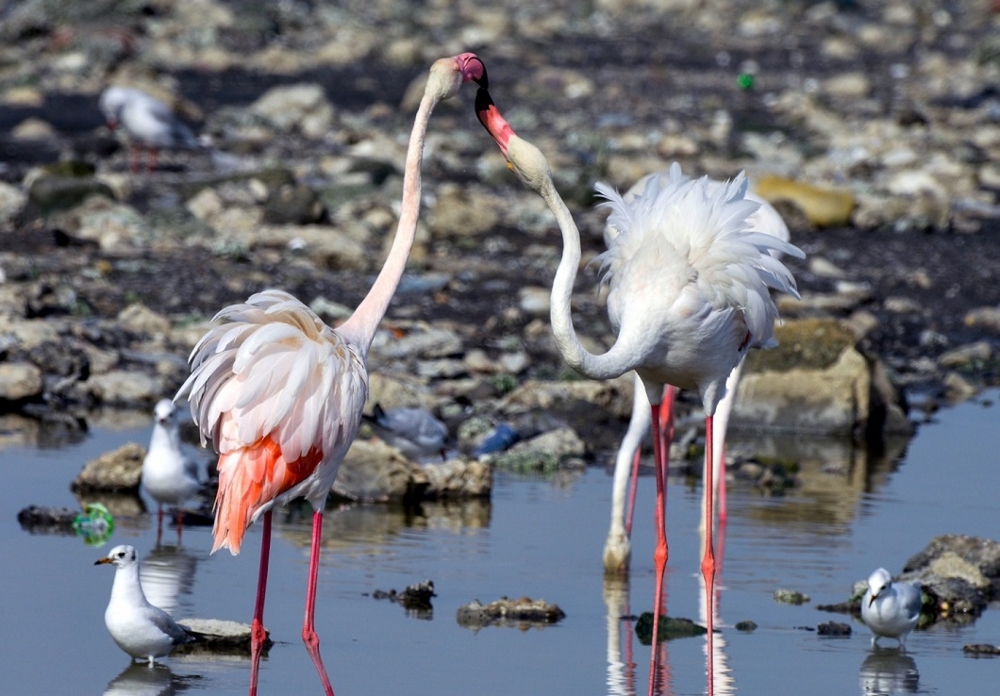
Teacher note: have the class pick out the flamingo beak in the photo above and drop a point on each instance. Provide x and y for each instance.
(473, 69)
(492, 121)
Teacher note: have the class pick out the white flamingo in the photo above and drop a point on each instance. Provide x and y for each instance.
(689, 296)
(280, 394)
(617, 548)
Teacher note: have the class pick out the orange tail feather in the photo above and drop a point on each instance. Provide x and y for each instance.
(250, 478)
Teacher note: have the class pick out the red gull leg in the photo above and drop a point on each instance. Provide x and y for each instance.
(151, 160)
(257, 633)
(309, 636)
(708, 560)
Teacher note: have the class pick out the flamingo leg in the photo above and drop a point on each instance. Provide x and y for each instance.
(257, 633)
(309, 636)
(708, 560)
(632, 485)
(661, 553)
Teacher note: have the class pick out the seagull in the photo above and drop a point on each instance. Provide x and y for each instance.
(890, 609)
(167, 473)
(413, 431)
(137, 627)
(147, 122)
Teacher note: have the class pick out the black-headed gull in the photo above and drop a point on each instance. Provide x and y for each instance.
(147, 122)
(890, 609)
(413, 431)
(167, 473)
(143, 631)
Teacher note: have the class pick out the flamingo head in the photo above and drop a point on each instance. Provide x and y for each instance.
(449, 74)
(523, 158)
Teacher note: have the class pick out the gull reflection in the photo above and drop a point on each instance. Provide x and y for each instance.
(141, 679)
(889, 671)
(167, 574)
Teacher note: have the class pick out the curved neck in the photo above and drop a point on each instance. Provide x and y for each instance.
(361, 325)
(611, 364)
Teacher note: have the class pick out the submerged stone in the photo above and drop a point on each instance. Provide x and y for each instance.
(219, 637)
(669, 628)
(521, 613)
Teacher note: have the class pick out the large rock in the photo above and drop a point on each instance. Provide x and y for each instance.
(302, 107)
(19, 381)
(119, 471)
(815, 381)
(374, 472)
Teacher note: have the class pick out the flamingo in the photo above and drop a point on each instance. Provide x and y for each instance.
(280, 394)
(147, 123)
(617, 548)
(167, 473)
(688, 297)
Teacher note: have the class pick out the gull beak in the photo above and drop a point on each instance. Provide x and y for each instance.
(872, 600)
(103, 560)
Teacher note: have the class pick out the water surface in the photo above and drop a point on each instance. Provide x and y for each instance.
(537, 537)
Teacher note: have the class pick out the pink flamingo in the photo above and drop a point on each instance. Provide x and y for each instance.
(280, 394)
(688, 297)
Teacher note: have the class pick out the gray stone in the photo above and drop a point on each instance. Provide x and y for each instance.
(119, 471)
(374, 472)
(51, 194)
(458, 478)
(219, 637)
(19, 381)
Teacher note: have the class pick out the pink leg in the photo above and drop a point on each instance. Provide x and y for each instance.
(134, 155)
(257, 633)
(309, 636)
(151, 160)
(708, 560)
(661, 553)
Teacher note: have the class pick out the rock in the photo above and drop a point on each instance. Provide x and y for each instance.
(458, 214)
(985, 317)
(669, 628)
(521, 613)
(125, 388)
(790, 597)
(815, 381)
(961, 574)
(113, 226)
(535, 301)
(52, 194)
(615, 395)
(12, 200)
(220, 637)
(980, 351)
(745, 626)
(119, 471)
(546, 452)
(301, 107)
(20, 381)
(822, 206)
(980, 649)
(142, 320)
(834, 628)
(416, 598)
(373, 472)
(957, 388)
(458, 478)
(293, 205)
(47, 520)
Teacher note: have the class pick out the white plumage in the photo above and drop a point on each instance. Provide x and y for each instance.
(146, 121)
(168, 475)
(143, 631)
(890, 609)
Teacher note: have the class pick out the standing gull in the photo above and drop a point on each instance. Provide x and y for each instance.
(167, 474)
(146, 122)
(890, 609)
(143, 631)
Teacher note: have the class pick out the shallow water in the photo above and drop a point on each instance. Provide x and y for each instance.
(537, 537)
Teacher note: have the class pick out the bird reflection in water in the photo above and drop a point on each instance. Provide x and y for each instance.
(621, 672)
(889, 671)
(167, 574)
(140, 679)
